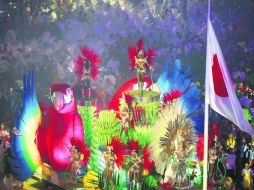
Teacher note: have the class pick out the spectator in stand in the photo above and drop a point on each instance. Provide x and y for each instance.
(252, 107)
(230, 162)
(246, 153)
(7, 181)
(241, 88)
(239, 156)
(231, 141)
(1, 158)
(234, 130)
(247, 173)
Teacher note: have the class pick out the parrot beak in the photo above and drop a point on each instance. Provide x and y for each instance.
(57, 99)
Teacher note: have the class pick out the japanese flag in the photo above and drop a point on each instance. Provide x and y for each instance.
(220, 93)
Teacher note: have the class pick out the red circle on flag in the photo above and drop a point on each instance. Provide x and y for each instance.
(218, 80)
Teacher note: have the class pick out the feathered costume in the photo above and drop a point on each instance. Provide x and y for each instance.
(114, 156)
(179, 85)
(173, 95)
(82, 150)
(141, 60)
(136, 163)
(86, 66)
(147, 163)
(174, 138)
(125, 112)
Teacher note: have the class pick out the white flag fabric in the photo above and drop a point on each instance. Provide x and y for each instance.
(220, 92)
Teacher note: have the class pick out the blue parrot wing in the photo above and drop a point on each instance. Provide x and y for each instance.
(181, 79)
(25, 157)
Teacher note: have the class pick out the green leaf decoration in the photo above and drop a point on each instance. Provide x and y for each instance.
(106, 126)
(87, 114)
(121, 180)
(143, 135)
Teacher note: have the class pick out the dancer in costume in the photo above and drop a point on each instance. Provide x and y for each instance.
(135, 168)
(86, 67)
(77, 158)
(141, 61)
(214, 151)
(114, 159)
(125, 110)
(110, 160)
(231, 141)
(247, 173)
(172, 144)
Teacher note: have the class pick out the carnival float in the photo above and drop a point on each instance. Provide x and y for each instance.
(150, 137)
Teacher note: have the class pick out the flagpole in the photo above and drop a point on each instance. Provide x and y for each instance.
(205, 161)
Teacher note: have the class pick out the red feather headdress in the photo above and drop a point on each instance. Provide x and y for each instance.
(83, 149)
(92, 58)
(169, 96)
(133, 51)
(118, 149)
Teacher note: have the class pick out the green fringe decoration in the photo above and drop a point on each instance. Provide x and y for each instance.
(87, 114)
(150, 182)
(106, 126)
(96, 162)
(120, 179)
(131, 133)
(143, 135)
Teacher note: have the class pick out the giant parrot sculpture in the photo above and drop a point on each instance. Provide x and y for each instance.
(46, 134)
